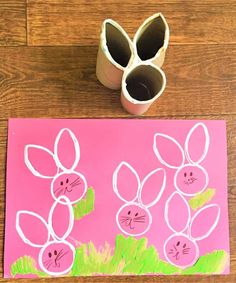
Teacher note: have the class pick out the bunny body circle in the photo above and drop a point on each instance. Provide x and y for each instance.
(65, 180)
(190, 178)
(134, 218)
(181, 248)
(56, 255)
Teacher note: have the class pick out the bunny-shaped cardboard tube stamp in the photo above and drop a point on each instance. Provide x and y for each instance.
(141, 86)
(114, 54)
(56, 255)
(65, 179)
(134, 218)
(119, 58)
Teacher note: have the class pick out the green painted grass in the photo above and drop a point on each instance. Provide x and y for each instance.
(201, 199)
(130, 256)
(85, 206)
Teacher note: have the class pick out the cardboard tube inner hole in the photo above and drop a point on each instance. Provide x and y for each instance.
(144, 82)
(117, 45)
(151, 39)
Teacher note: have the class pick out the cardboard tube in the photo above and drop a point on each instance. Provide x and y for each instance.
(114, 55)
(151, 40)
(141, 86)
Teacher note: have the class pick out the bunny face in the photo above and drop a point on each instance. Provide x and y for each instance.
(181, 248)
(56, 255)
(181, 251)
(134, 217)
(71, 185)
(65, 180)
(190, 177)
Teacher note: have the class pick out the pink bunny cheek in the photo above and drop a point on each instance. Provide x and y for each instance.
(191, 179)
(57, 258)
(133, 220)
(71, 185)
(181, 251)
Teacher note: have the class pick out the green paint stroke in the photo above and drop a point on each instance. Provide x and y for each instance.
(26, 265)
(85, 206)
(201, 199)
(129, 256)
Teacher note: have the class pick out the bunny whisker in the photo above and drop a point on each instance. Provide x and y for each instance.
(59, 258)
(59, 193)
(78, 179)
(171, 252)
(139, 221)
(186, 249)
(143, 216)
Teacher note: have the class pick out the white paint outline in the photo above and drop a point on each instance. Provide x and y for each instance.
(40, 257)
(115, 179)
(51, 232)
(57, 161)
(72, 172)
(194, 166)
(20, 231)
(160, 192)
(188, 227)
(185, 155)
(138, 205)
(76, 147)
(67, 203)
(156, 151)
(137, 201)
(172, 263)
(30, 165)
(167, 212)
(206, 147)
(212, 228)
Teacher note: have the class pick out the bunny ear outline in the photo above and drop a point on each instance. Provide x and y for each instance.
(147, 185)
(202, 216)
(133, 173)
(62, 201)
(32, 165)
(178, 149)
(177, 213)
(23, 235)
(76, 148)
(206, 146)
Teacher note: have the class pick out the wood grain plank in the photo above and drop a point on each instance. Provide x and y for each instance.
(61, 82)
(77, 22)
(12, 22)
(231, 135)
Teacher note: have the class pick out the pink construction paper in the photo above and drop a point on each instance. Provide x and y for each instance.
(104, 144)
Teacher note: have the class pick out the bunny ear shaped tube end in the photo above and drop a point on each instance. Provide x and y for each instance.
(152, 39)
(141, 86)
(115, 53)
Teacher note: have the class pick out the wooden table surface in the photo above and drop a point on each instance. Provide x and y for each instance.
(47, 69)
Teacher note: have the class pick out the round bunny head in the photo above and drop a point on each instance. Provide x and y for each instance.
(181, 251)
(73, 185)
(190, 178)
(56, 257)
(134, 217)
(181, 248)
(65, 180)
(56, 254)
